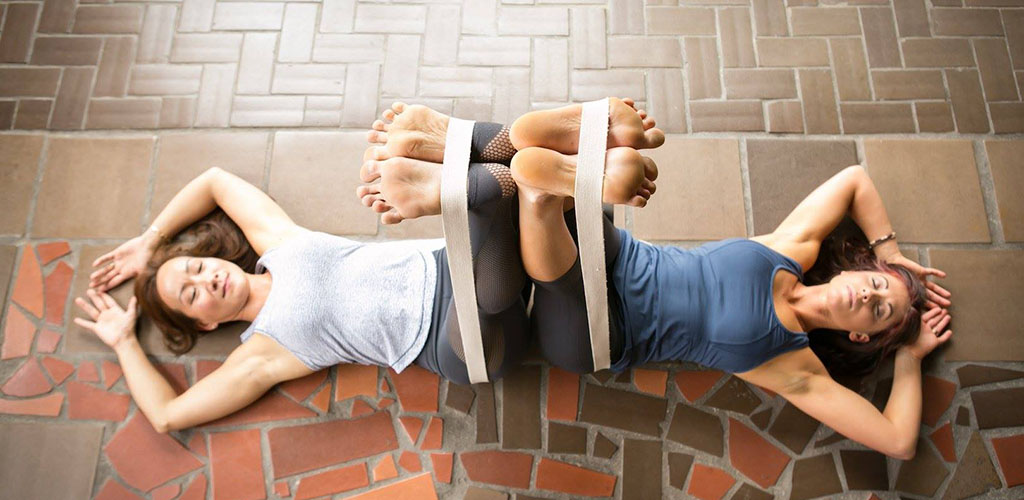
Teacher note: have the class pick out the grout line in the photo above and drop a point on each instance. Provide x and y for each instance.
(748, 204)
(150, 184)
(988, 191)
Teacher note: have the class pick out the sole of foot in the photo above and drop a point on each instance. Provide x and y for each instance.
(558, 129)
(407, 188)
(412, 131)
(543, 172)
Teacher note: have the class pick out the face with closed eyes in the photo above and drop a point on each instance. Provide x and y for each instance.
(866, 302)
(206, 289)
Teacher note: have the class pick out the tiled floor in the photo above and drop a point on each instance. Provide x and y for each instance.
(938, 75)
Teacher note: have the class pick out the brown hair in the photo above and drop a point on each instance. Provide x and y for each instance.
(847, 249)
(215, 235)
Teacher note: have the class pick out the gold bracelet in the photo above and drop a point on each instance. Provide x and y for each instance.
(883, 239)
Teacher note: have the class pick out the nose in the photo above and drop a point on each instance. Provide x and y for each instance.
(209, 280)
(866, 293)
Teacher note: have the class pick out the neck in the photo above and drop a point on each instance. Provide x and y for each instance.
(808, 303)
(259, 290)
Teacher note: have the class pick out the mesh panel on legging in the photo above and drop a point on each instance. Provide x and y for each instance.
(491, 144)
(559, 316)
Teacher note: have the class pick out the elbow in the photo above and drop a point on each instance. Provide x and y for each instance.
(905, 453)
(161, 425)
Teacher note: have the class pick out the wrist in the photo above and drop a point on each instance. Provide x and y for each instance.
(906, 353)
(886, 250)
(152, 237)
(127, 342)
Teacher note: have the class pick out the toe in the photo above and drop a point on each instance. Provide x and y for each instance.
(650, 169)
(629, 102)
(398, 107)
(642, 113)
(388, 115)
(391, 217)
(654, 138)
(380, 206)
(375, 137)
(650, 186)
(370, 171)
(649, 123)
(638, 201)
(379, 125)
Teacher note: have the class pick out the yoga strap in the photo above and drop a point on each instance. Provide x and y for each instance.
(589, 217)
(455, 221)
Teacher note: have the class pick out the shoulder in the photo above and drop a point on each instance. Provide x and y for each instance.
(804, 252)
(788, 372)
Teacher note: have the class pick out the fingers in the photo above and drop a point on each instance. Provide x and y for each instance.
(103, 259)
(942, 324)
(103, 274)
(945, 336)
(936, 298)
(96, 300)
(935, 272)
(88, 325)
(86, 307)
(931, 313)
(938, 289)
(109, 301)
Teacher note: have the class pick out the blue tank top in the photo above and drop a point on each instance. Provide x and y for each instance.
(711, 305)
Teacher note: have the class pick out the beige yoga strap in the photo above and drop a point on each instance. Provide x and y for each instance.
(590, 225)
(455, 220)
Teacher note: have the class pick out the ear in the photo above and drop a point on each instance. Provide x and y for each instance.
(208, 327)
(859, 338)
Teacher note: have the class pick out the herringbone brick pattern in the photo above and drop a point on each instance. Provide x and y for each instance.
(781, 66)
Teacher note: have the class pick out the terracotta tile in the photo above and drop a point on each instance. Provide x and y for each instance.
(1007, 117)
(770, 17)
(412, 426)
(1013, 21)
(385, 387)
(694, 384)
(785, 117)
(236, 465)
(736, 36)
(880, 37)
(968, 102)
(996, 71)
(934, 116)
(433, 439)
(360, 408)
(558, 476)
(385, 469)
(111, 373)
(966, 22)
(27, 381)
(983, 287)
(505, 468)
(48, 252)
(33, 114)
(680, 21)
(937, 52)
(460, 397)
(89, 403)
(47, 341)
(877, 118)
(651, 381)
(999, 408)
(198, 445)
(936, 395)
(793, 428)
(521, 409)
(815, 21)
(963, 417)
(32, 451)
(697, 429)
(975, 474)
(911, 18)
(722, 116)
(851, 69)
(590, 85)
(709, 483)
(819, 101)
(57, 287)
(761, 419)
(66, 51)
(302, 160)
(35, 82)
(790, 52)
(102, 19)
(442, 465)
(908, 84)
(923, 474)
(312, 446)
(301, 388)
(815, 477)
(702, 68)
(332, 482)
(46, 406)
(115, 65)
(754, 456)
(566, 439)
(419, 487)
(972, 375)
(17, 32)
(166, 492)
(28, 289)
(1010, 453)
(271, 407)
(87, 372)
(735, 395)
(748, 492)
(196, 490)
(112, 490)
(410, 461)
(642, 469)
(679, 465)
(563, 394)
(56, 17)
(865, 470)
(486, 415)
(281, 489)
(950, 167)
(942, 438)
(355, 380)
(165, 457)
(58, 370)
(20, 162)
(623, 410)
(759, 83)
(164, 79)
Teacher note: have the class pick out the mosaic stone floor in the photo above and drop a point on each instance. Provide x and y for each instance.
(108, 108)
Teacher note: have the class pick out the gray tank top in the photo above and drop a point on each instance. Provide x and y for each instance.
(335, 300)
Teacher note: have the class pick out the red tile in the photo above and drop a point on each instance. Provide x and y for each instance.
(505, 468)
(361, 408)
(563, 394)
(435, 434)
(236, 464)
(943, 439)
(175, 375)
(46, 406)
(355, 380)
(50, 251)
(111, 373)
(17, 334)
(322, 400)
(86, 402)
(306, 447)
(205, 367)
(196, 490)
(58, 284)
(384, 403)
(650, 381)
(112, 490)
(419, 487)
(166, 492)
(28, 290)
(1010, 452)
(47, 341)
(553, 475)
(165, 458)
(197, 444)
(412, 426)
(58, 370)
(416, 388)
(694, 384)
(709, 483)
(385, 386)
(87, 372)
(385, 469)
(754, 456)
(410, 461)
(442, 463)
(282, 490)
(300, 388)
(936, 395)
(272, 406)
(332, 481)
(27, 381)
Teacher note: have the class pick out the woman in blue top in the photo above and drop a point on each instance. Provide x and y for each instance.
(740, 305)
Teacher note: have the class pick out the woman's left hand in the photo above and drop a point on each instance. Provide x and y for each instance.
(937, 296)
(932, 332)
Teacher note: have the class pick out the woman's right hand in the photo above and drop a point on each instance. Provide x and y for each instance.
(109, 322)
(122, 263)
(932, 332)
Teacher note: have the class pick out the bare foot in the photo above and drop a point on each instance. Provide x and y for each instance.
(407, 189)
(544, 172)
(559, 128)
(414, 131)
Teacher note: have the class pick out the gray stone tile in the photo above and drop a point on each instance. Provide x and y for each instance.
(309, 79)
(18, 164)
(666, 98)
(680, 21)
(297, 32)
(697, 429)
(641, 469)
(550, 80)
(520, 422)
(441, 39)
(592, 85)
(361, 84)
(623, 410)
(31, 453)
(589, 42)
(256, 66)
(213, 108)
(494, 51)
(337, 16)
(267, 111)
(456, 82)
(1004, 160)
(348, 48)
(157, 34)
(390, 18)
(401, 60)
(533, 21)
